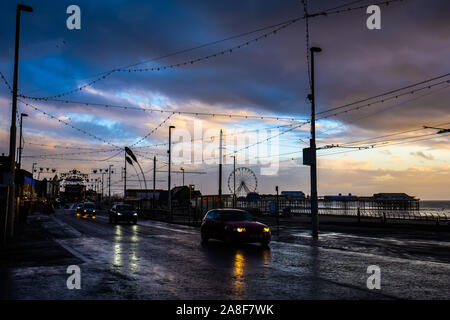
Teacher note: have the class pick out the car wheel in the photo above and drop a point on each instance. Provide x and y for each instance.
(116, 220)
(265, 244)
(135, 221)
(205, 238)
(110, 220)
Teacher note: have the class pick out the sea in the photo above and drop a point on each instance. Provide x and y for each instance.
(435, 206)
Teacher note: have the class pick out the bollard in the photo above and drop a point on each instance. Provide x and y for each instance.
(359, 215)
(383, 218)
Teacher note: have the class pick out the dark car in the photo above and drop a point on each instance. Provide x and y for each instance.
(122, 212)
(86, 210)
(234, 225)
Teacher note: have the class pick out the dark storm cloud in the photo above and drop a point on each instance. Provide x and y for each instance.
(268, 77)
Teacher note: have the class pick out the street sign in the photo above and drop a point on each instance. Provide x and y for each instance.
(307, 159)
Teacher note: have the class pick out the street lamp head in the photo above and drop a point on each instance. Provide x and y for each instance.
(22, 7)
(171, 127)
(316, 49)
(23, 115)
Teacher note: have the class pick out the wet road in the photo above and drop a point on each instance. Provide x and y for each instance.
(156, 260)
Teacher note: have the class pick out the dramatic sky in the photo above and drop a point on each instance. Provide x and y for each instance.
(268, 77)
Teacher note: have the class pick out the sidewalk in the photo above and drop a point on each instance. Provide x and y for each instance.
(31, 247)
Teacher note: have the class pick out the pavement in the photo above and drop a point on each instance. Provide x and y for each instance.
(158, 260)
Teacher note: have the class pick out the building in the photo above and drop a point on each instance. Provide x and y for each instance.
(341, 197)
(293, 194)
(143, 198)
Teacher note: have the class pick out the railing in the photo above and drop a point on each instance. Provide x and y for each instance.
(373, 209)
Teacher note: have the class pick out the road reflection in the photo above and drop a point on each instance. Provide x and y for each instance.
(117, 244)
(240, 262)
(125, 247)
(238, 274)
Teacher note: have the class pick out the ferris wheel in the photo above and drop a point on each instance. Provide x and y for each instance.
(244, 180)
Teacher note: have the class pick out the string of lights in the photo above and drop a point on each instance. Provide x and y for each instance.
(234, 134)
(61, 146)
(54, 156)
(434, 136)
(152, 131)
(180, 112)
(161, 68)
(389, 93)
(383, 110)
(80, 159)
(66, 154)
(210, 56)
(390, 135)
(66, 123)
(5, 81)
(346, 4)
(188, 50)
(259, 142)
(377, 101)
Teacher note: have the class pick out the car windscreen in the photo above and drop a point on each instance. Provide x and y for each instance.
(125, 208)
(89, 206)
(236, 216)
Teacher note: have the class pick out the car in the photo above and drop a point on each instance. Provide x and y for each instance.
(233, 225)
(86, 209)
(122, 212)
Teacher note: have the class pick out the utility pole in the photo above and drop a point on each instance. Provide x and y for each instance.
(313, 166)
(220, 170)
(109, 183)
(103, 177)
(20, 139)
(277, 212)
(32, 169)
(234, 181)
(169, 196)
(154, 180)
(182, 169)
(8, 220)
(125, 177)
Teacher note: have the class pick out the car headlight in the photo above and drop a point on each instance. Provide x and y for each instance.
(134, 214)
(240, 229)
(84, 210)
(93, 211)
(119, 214)
(266, 230)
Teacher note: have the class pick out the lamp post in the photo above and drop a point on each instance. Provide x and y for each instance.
(169, 196)
(220, 169)
(154, 180)
(125, 176)
(109, 182)
(8, 221)
(313, 167)
(277, 213)
(20, 139)
(32, 169)
(234, 181)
